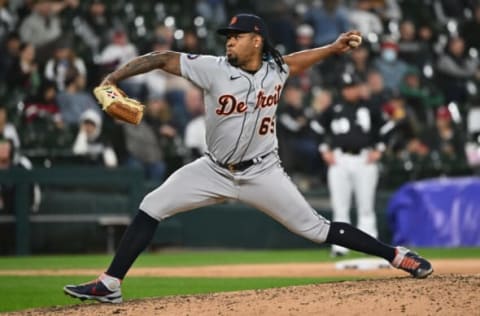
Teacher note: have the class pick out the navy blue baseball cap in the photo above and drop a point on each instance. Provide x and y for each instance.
(245, 23)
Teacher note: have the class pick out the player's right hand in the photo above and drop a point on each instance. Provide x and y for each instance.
(342, 45)
(374, 156)
(329, 157)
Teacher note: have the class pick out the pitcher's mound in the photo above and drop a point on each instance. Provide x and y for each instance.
(449, 294)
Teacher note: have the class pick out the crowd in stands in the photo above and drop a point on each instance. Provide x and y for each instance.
(419, 62)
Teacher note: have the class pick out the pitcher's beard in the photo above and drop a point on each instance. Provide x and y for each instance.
(233, 60)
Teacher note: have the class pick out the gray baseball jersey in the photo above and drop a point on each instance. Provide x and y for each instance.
(240, 126)
(240, 107)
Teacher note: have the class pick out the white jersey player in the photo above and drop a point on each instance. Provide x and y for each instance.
(353, 141)
(241, 94)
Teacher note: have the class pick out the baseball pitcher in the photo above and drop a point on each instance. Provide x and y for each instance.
(241, 93)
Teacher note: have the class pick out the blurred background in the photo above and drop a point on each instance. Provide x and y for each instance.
(72, 177)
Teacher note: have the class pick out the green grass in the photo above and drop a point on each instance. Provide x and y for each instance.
(27, 292)
(202, 258)
(21, 292)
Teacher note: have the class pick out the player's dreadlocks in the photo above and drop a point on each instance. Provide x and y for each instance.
(271, 52)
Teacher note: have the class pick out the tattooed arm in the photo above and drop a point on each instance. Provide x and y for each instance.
(166, 60)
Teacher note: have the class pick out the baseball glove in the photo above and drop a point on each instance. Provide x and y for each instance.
(116, 103)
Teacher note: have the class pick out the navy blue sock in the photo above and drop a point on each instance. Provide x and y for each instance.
(346, 235)
(135, 239)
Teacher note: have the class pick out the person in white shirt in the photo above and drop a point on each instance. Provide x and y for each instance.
(62, 60)
(89, 142)
(362, 19)
(116, 54)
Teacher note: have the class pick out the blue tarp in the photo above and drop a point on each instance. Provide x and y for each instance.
(436, 213)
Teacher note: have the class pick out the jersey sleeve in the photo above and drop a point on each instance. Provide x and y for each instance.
(199, 69)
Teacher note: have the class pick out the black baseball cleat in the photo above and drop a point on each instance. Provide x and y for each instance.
(412, 263)
(94, 290)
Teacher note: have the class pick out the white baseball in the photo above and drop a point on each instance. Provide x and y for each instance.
(355, 41)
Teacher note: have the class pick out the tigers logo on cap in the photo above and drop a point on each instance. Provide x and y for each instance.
(245, 23)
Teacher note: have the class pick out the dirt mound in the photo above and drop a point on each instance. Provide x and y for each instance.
(446, 294)
(325, 269)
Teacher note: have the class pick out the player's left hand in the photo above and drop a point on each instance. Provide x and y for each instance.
(374, 156)
(342, 44)
(118, 105)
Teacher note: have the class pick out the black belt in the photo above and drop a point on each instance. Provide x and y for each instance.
(239, 166)
(352, 151)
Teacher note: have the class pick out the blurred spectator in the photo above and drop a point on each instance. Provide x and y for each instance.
(8, 130)
(471, 28)
(418, 11)
(147, 142)
(445, 139)
(156, 81)
(427, 37)
(422, 98)
(387, 10)
(195, 129)
(114, 131)
(42, 124)
(8, 20)
(304, 37)
(213, 11)
(163, 33)
(162, 85)
(321, 100)
(405, 138)
(43, 104)
(10, 52)
(328, 20)
(118, 52)
(410, 49)
(42, 26)
(281, 20)
(300, 141)
(191, 43)
(10, 159)
(91, 144)
(379, 94)
(451, 9)
(74, 100)
(24, 77)
(455, 68)
(472, 147)
(362, 19)
(97, 25)
(359, 62)
(62, 62)
(7, 192)
(389, 65)
(22, 8)
(311, 77)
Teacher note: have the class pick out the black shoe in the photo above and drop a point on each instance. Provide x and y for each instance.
(412, 263)
(94, 290)
(337, 254)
